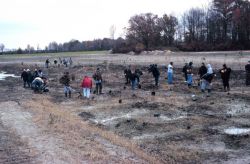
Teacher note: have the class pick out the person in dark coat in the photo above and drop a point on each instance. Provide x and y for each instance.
(247, 68)
(65, 80)
(156, 73)
(138, 73)
(202, 72)
(225, 76)
(184, 71)
(127, 74)
(98, 81)
(24, 76)
(30, 77)
(47, 63)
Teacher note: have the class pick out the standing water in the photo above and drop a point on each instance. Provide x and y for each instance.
(3, 75)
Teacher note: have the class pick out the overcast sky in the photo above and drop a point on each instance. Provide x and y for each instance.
(38, 22)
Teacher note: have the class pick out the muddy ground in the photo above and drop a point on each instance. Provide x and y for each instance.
(121, 125)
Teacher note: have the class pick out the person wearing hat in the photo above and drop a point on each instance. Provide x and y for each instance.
(98, 81)
(247, 68)
(225, 76)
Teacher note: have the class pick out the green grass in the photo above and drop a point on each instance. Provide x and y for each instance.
(60, 54)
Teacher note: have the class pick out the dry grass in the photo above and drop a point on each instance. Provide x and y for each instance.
(79, 136)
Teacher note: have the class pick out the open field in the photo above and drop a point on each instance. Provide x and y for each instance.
(166, 128)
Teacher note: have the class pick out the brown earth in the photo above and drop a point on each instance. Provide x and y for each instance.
(166, 128)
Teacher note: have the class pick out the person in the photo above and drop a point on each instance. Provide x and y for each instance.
(55, 62)
(65, 80)
(30, 78)
(47, 63)
(98, 81)
(170, 73)
(190, 74)
(225, 76)
(247, 68)
(127, 74)
(202, 71)
(156, 73)
(35, 74)
(24, 76)
(38, 84)
(138, 74)
(207, 79)
(184, 70)
(87, 86)
(133, 80)
(40, 73)
(70, 61)
(65, 62)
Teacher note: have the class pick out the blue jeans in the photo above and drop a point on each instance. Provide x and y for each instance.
(189, 79)
(205, 85)
(170, 78)
(134, 84)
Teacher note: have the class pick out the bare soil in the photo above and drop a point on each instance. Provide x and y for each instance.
(121, 125)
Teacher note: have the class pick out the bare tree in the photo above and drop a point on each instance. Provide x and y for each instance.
(144, 29)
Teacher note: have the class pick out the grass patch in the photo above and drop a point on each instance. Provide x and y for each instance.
(60, 54)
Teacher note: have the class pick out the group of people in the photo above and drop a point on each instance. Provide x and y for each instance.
(206, 75)
(34, 80)
(37, 81)
(65, 61)
(133, 77)
(86, 84)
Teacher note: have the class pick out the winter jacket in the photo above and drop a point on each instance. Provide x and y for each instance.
(65, 80)
(202, 71)
(86, 82)
(30, 77)
(97, 76)
(24, 76)
(225, 73)
(127, 72)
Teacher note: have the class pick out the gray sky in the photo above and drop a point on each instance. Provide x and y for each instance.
(38, 22)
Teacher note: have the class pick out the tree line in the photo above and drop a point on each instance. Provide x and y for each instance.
(223, 25)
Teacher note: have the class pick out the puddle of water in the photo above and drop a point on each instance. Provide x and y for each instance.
(4, 75)
(236, 131)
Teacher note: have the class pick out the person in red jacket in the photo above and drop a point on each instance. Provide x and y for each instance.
(87, 86)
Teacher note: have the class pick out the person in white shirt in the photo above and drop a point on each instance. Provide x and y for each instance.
(170, 73)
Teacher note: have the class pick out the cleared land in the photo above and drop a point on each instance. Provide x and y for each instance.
(166, 128)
